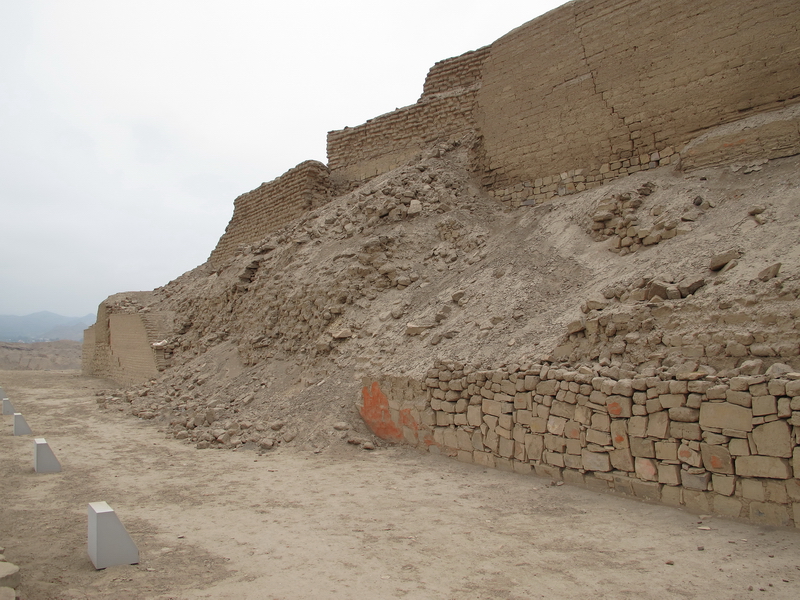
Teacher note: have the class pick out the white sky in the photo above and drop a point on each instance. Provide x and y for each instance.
(128, 128)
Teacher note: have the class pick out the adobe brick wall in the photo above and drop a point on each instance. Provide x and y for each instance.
(444, 111)
(595, 90)
(123, 344)
(272, 205)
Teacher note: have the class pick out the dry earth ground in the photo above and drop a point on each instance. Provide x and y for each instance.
(342, 524)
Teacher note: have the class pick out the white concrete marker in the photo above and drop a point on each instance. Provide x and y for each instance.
(44, 461)
(21, 425)
(109, 541)
(8, 408)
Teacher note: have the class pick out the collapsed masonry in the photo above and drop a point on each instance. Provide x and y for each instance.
(636, 333)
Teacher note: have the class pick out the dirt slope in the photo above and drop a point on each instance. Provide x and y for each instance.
(420, 264)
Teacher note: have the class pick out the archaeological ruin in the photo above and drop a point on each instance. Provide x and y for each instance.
(576, 256)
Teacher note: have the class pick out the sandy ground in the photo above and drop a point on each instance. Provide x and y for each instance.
(346, 523)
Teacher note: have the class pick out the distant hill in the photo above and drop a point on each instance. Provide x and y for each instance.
(43, 326)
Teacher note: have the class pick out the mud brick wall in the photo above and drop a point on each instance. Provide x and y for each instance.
(444, 111)
(714, 445)
(272, 205)
(598, 89)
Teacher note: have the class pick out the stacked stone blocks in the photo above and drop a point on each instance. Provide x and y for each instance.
(728, 446)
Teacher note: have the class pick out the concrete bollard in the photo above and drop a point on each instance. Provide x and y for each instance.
(109, 541)
(8, 408)
(21, 425)
(44, 460)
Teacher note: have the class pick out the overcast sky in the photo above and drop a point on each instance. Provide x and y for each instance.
(128, 128)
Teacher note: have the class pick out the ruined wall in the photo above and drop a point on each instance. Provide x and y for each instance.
(595, 90)
(598, 89)
(444, 111)
(125, 344)
(272, 205)
(713, 445)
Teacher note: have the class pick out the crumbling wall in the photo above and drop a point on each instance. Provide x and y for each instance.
(443, 112)
(599, 89)
(596, 90)
(272, 205)
(125, 343)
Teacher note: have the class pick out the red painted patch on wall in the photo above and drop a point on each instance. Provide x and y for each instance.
(376, 414)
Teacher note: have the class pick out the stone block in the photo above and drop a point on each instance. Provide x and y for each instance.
(573, 477)
(543, 470)
(776, 491)
(724, 415)
(9, 575)
(637, 426)
(109, 541)
(739, 398)
(642, 447)
(723, 484)
(690, 456)
(534, 446)
(753, 489)
(504, 464)
(696, 501)
(619, 433)
(672, 495)
(666, 450)
(739, 447)
(727, 507)
(658, 425)
(773, 439)
(766, 513)
(21, 425)
(619, 406)
(717, 458)
(669, 401)
(646, 469)
(523, 468)
(669, 474)
(770, 467)
(685, 431)
(44, 460)
(595, 461)
(485, 459)
(621, 459)
(464, 456)
(8, 408)
(765, 405)
(646, 490)
(695, 481)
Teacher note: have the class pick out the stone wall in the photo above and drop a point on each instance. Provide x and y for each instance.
(272, 205)
(714, 445)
